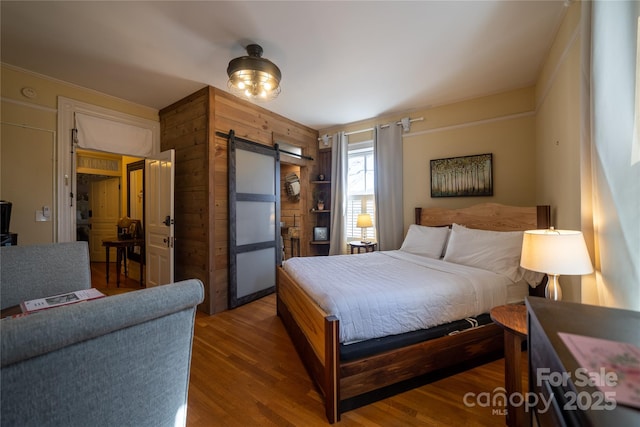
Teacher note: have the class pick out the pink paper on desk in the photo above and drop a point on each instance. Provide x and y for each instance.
(599, 357)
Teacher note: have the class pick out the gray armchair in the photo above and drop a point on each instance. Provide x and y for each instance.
(123, 360)
(37, 271)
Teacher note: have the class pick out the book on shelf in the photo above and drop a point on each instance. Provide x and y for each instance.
(74, 297)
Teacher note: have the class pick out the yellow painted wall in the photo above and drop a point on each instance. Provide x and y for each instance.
(48, 90)
(558, 100)
(502, 124)
(558, 126)
(26, 164)
(29, 133)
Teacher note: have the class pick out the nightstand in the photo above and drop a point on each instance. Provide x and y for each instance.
(513, 319)
(368, 246)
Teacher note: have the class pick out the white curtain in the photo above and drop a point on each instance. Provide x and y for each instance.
(339, 174)
(114, 137)
(614, 173)
(387, 151)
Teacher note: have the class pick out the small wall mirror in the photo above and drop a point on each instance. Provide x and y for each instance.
(135, 191)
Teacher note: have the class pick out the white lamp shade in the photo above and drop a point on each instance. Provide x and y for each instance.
(364, 220)
(555, 252)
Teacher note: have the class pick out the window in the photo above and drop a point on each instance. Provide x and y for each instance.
(360, 193)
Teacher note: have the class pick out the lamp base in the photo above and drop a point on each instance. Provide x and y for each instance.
(553, 290)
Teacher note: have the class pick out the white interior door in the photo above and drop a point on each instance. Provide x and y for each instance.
(159, 223)
(104, 205)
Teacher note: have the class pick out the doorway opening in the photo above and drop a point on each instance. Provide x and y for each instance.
(97, 211)
(291, 209)
(102, 202)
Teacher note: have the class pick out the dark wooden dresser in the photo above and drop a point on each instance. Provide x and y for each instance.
(547, 350)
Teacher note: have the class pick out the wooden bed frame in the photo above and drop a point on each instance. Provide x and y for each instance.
(315, 334)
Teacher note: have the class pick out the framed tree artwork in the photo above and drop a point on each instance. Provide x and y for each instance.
(462, 176)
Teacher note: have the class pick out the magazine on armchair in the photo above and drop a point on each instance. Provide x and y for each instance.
(60, 300)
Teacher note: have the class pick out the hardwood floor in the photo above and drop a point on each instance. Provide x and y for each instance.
(99, 279)
(245, 372)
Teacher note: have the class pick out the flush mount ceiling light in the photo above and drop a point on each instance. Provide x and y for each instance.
(254, 77)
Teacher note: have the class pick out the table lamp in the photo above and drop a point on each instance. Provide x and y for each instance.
(364, 221)
(555, 252)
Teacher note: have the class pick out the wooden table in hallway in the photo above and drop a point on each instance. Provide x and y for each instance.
(121, 255)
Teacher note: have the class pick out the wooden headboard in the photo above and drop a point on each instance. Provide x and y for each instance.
(488, 216)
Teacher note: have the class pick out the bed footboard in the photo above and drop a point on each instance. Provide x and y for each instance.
(391, 367)
(315, 336)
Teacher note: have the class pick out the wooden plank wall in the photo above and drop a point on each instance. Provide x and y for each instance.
(290, 211)
(201, 199)
(184, 127)
(324, 163)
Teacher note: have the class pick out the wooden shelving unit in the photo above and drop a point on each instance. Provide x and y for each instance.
(322, 217)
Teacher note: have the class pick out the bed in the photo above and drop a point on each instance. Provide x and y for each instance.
(311, 317)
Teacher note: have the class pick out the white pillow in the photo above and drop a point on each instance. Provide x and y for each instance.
(425, 241)
(497, 251)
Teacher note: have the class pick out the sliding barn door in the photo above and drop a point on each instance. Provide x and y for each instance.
(254, 211)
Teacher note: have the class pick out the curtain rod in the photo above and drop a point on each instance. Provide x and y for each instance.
(419, 119)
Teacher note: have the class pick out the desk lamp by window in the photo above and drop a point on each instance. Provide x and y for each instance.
(555, 252)
(363, 222)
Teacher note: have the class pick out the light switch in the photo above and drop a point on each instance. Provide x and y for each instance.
(40, 217)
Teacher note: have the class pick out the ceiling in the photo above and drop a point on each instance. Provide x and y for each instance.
(341, 61)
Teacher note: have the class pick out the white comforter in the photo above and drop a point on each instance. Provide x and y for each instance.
(387, 293)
